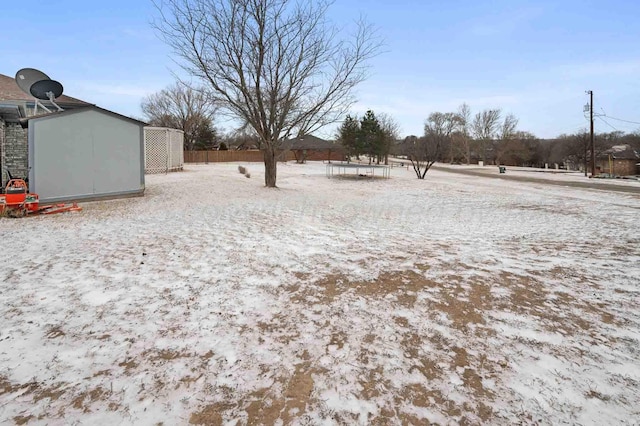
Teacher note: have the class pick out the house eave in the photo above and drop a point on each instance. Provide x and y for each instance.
(10, 113)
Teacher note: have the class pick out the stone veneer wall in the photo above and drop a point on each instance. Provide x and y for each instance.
(2, 174)
(15, 151)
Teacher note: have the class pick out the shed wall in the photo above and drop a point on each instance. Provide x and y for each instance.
(83, 155)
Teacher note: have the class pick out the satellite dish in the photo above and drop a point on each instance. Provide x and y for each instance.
(27, 76)
(37, 84)
(47, 90)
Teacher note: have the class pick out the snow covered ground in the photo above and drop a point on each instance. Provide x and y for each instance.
(213, 300)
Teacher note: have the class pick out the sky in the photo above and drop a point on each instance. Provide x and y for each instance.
(533, 59)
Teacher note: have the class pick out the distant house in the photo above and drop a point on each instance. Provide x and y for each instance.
(619, 160)
(82, 152)
(243, 143)
(312, 148)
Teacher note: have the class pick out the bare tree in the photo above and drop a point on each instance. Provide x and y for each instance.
(484, 127)
(242, 139)
(390, 133)
(276, 64)
(508, 128)
(461, 141)
(506, 143)
(441, 125)
(425, 151)
(581, 145)
(182, 107)
(520, 149)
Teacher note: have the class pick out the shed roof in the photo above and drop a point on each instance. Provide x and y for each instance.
(9, 91)
(25, 121)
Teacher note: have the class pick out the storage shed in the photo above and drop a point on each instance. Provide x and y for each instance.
(86, 153)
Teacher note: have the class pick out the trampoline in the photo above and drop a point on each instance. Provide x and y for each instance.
(358, 170)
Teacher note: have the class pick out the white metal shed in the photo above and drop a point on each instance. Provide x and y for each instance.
(85, 153)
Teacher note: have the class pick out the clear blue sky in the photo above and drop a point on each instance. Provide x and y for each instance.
(534, 59)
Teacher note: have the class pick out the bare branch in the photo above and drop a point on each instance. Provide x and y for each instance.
(509, 125)
(484, 127)
(180, 106)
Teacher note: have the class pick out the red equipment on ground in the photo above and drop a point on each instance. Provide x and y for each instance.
(18, 202)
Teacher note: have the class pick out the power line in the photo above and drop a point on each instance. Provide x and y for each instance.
(620, 119)
(608, 124)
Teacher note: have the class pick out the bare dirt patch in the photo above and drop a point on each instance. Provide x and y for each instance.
(23, 420)
(37, 391)
(464, 304)
(287, 400)
(84, 400)
(208, 416)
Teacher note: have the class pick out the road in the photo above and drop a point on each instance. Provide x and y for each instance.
(591, 184)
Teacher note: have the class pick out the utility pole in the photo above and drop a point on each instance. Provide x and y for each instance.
(593, 150)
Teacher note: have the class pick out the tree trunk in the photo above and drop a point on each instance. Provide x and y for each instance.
(484, 152)
(270, 166)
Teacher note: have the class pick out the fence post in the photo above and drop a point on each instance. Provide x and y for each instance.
(167, 145)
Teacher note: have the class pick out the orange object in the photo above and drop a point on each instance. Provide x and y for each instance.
(18, 202)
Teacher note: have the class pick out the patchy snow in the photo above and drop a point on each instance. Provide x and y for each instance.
(214, 300)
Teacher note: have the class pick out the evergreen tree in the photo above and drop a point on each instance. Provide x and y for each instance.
(349, 137)
(371, 136)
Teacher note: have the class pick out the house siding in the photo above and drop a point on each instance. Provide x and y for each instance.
(621, 167)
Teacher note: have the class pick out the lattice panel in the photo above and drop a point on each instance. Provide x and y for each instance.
(176, 150)
(163, 150)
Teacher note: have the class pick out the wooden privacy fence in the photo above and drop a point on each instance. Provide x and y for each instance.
(254, 156)
(222, 156)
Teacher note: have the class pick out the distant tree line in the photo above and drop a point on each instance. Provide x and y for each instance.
(462, 138)
(457, 137)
